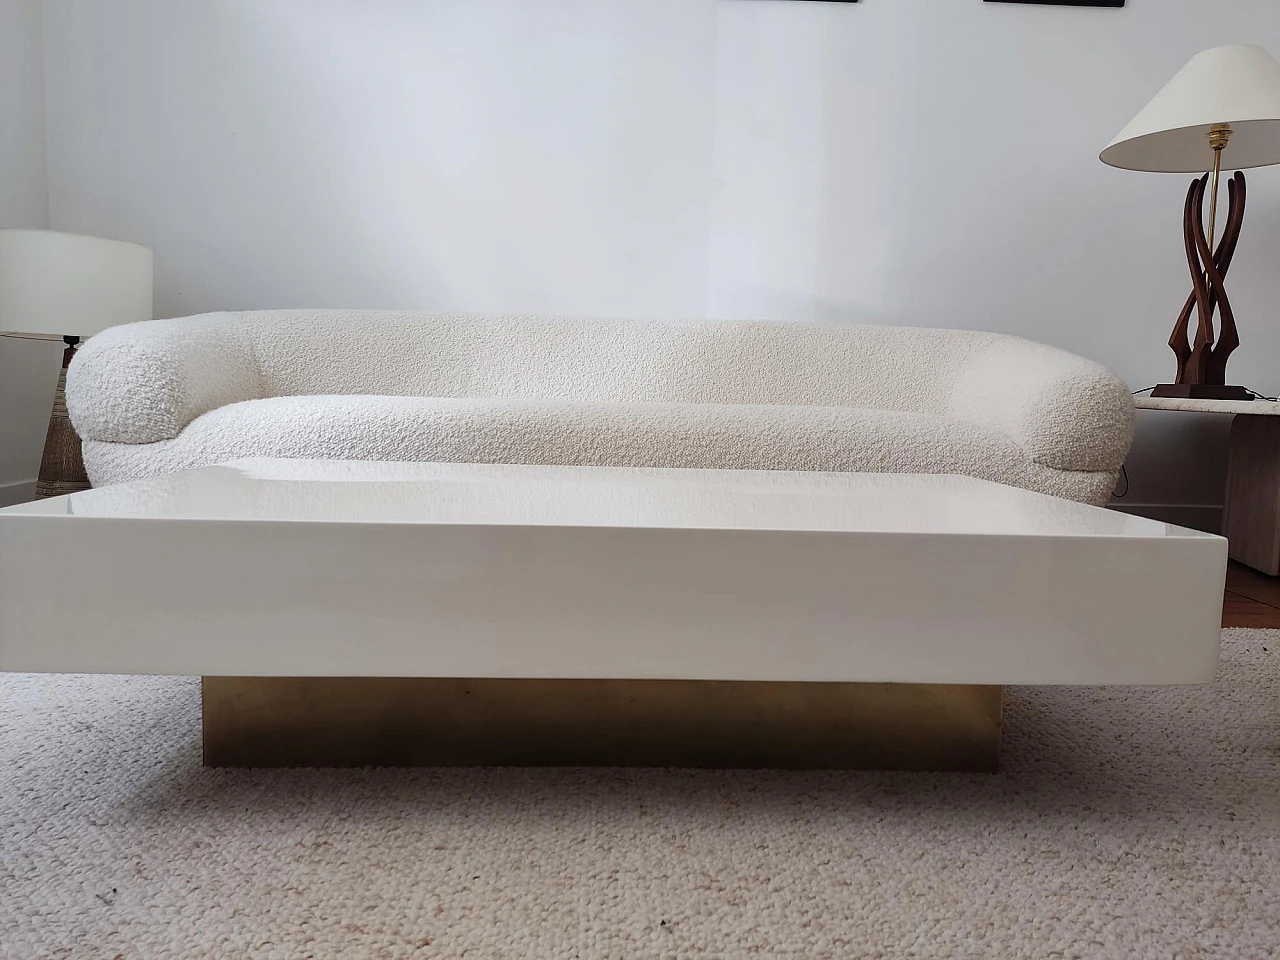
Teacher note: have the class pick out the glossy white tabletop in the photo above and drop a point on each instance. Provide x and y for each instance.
(321, 491)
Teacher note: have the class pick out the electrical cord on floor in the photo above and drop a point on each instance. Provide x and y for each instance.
(1144, 390)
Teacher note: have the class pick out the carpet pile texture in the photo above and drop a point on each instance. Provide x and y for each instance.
(1126, 823)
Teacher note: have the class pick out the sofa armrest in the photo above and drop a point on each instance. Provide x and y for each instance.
(1064, 411)
(144, 382)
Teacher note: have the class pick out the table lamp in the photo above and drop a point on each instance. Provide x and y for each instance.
(1221, 111)
(68, 286)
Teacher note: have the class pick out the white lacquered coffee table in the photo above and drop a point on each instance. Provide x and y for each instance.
(357, 612)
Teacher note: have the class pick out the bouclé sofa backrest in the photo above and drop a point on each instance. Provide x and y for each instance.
(346, 352)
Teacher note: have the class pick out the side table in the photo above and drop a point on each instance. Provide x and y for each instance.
(1251, 511)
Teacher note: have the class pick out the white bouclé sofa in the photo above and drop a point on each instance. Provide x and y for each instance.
(154, 397)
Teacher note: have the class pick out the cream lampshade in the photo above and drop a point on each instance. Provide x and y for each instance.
(1234, 86)
(68, 286)
(1221, 110)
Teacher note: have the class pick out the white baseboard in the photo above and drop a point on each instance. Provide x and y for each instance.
(17, 491)
(1197, 516)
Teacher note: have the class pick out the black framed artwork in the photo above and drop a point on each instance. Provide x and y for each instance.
(1050, 3)
(1067, 3)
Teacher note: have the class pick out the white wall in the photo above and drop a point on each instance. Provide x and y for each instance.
(28, 370)
(904, 161)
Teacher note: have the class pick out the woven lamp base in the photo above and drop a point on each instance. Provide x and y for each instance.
(62, 465)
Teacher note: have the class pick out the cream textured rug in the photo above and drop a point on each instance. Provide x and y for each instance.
(1127, 823)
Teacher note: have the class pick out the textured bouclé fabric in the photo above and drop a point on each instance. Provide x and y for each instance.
(149, 398)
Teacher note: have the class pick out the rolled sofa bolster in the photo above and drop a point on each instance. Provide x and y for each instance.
(1064, 411)
(144, 382)
(1078, 423)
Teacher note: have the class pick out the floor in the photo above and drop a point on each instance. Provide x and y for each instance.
(1252, 598)
(1127, 822)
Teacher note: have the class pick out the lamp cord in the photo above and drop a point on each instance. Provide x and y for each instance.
(1124, 475)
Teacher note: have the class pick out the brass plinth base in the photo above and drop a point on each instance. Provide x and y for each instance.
(380, 721)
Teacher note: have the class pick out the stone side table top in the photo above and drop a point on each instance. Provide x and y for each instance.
(1265, 408)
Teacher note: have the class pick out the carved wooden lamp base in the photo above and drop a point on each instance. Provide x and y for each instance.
(1202, 359)
(1202, 391)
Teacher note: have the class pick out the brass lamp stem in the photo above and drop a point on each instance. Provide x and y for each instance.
(1219, 135)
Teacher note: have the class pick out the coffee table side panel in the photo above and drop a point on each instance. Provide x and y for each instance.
(336, 599)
